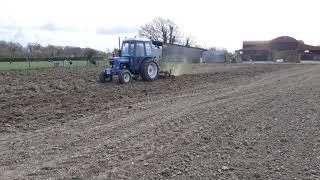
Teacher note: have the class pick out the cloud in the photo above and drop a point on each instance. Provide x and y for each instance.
(49, 27)
(53, 27)
(10, 27)
(19, 35)
(116, 30)
(12, 33)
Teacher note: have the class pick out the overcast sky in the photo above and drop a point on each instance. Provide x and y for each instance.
(213, 23)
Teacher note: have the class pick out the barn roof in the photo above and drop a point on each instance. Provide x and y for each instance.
(254, 43)
(159, 43)
(266, 45)
(284, 39)
(311, 48)
(202, 49)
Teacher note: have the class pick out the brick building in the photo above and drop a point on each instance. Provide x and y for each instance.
(287, 48)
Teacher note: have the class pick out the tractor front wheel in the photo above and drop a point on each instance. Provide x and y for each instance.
(103, 78)
(125, 77)
(149, 70)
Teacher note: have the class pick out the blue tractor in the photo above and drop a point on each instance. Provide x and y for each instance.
(135, 59)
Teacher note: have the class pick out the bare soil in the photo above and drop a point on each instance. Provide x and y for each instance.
(249, 121)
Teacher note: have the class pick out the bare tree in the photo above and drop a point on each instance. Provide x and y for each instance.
(29, 49)
(160, 29)
(188, 41)
(13, 47)
(187, 44)
(59, 51)
(51, 51)
(34, 50)
(90, 53)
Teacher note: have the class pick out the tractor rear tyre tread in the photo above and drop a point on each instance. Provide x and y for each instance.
(144, 70)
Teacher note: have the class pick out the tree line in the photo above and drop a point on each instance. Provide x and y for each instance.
(159, 29)
(14, 50)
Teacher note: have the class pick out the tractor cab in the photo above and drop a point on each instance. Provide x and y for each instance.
(135, 59)
(136, 48)
(136, 51)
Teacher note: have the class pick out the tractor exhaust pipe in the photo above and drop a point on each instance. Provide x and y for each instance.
(119, 42)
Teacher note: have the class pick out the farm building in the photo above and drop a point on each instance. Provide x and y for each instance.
(286, 48)
(214, 55)
(177, 53)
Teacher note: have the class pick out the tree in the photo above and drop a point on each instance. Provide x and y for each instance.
(51, 51)
(115, 52)
(163, 30)
(29, 49)
(13, 47)
(59, 51)
(34, 49)
(189, 41)
(90, 54)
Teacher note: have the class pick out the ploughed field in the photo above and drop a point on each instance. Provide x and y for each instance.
(248, 121)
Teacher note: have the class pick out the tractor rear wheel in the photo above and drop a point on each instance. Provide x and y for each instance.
(149, 70)
(125, 77)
